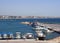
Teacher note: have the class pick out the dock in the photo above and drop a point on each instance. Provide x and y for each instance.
(55, 27)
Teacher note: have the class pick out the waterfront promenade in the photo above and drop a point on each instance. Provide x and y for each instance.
(27, 41)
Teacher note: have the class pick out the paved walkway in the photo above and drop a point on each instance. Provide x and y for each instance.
(26, 41)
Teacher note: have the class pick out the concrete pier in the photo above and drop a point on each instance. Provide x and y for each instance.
(55, 27)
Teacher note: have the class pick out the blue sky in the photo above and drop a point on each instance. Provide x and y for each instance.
(30, 7)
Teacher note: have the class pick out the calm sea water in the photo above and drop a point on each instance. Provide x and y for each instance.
(13, 25)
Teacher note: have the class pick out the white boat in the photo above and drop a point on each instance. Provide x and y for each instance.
(29, 36)
(0, 36)
(24, 37)
(10, 36)
(39, 28)
(40, 34)
(5, 36)
(41, 31)
(18, 35)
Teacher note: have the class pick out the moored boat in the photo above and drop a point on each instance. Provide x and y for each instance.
(5, 36)
(40, 30)
(18, 35)
(10, 35)
(0, 36)
(28, 36)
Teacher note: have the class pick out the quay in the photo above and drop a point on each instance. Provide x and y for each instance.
(55, 27)
(27, 41)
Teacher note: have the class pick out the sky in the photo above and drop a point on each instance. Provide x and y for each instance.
(30, 7)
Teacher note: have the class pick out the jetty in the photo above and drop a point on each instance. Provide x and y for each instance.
(55, 27)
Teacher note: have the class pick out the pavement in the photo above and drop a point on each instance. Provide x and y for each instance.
(27, 41)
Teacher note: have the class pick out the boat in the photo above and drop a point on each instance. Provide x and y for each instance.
(24, 36)
(0, 36)
(40, 30)
(5, 36)
(18, 35)
(40, 35)
(10, 36)
(28, 36)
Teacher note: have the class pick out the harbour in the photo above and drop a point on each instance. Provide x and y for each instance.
(26, 41)
(14, 26)
(29, 21)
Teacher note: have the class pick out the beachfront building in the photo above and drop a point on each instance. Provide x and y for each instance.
(18, 17)
(1, 17)
(11, 17)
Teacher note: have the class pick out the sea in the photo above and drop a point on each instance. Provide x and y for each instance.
(14, 25)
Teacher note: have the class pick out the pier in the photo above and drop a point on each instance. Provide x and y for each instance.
(54, 27)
